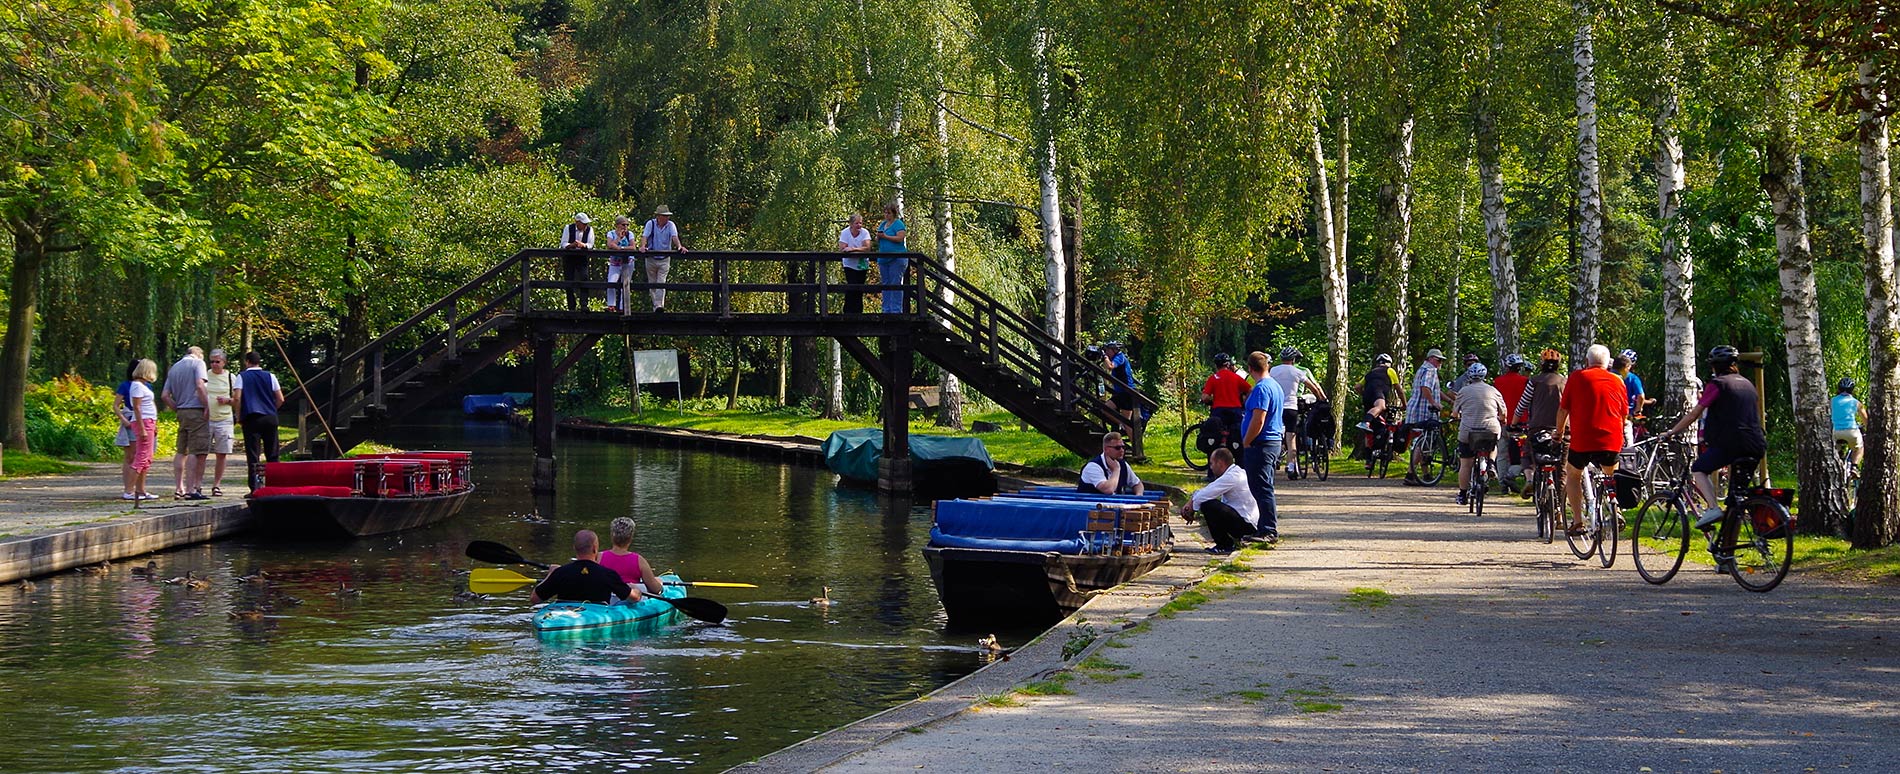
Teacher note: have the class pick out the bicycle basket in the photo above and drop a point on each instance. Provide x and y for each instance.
(1320, 421)
(1629, 489)
(1768, 521)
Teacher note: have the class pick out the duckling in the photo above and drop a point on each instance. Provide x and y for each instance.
(149, 570)
(260, 577)
(178, 580)
(469, 596)
(247, 615)
(27, 586)
(343, 591)
(289, 600)
(990, 644)
(824, 601)
(195, 583)
(94, 569)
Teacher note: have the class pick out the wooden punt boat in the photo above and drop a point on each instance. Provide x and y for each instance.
(360, 496)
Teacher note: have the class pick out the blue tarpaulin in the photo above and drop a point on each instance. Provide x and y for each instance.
(854, 453)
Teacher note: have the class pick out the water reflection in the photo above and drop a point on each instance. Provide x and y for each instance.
(126, 673)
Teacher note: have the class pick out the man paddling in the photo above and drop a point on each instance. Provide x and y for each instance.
(584, 579)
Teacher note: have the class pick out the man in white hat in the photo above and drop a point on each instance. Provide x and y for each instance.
(660, 235)
(578, 235)
(1423, 406)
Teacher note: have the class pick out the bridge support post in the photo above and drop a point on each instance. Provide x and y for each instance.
(543, 426)
(894, 469)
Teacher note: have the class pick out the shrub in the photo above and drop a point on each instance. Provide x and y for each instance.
(71, 418)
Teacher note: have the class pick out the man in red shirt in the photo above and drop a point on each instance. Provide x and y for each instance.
(1510, 384)
(1593, 406)
(1226, 391)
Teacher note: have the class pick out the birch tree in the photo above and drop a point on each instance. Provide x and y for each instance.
(1491, 207)
(1877, 516)
(1049, 202)
(949, 391)
(1678, 268)
(1819, 471)
(1332, 283)
(1588, 286)
(1395, 239)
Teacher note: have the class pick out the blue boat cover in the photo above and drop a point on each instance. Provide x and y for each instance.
(1080, 497)
(1071, 546)
(1069, 491)
(1011, 520)
(487, 406)
(854, 453)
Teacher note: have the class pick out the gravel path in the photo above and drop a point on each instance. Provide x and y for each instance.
(1493, 652)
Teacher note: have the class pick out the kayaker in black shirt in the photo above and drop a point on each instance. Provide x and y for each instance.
(582, 580)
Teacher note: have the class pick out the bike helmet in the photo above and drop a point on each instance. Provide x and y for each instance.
(1223, 359)
(1550, 356)
(1846, 385)
(1111, 344)
(1289, 354)
(1514, 361)
(1476, 371)
(1723, 354)
(1628, 354)
(1383, 359)
(1471, 357)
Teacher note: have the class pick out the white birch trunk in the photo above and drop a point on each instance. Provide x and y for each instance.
(1049, 209)
(1332, 286)
(1492, 210)
(1819, 473)
(949, 391)
(1453, 343)
(1877, 518)
(1395, 246)
(1680, 384)
(834, 397)
(1340, 194)
(1583, 306)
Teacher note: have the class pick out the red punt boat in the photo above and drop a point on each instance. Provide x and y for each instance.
(367, 495)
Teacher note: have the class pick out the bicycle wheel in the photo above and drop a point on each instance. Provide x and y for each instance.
(1479, 486)
(1659, 537)
(1764, 543)
(1191, 452)
(1427, 457)
(1320, 460)
(1545, 498)
(1582, 546)
(1609, 527)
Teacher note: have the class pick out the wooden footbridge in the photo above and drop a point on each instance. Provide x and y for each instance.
(538, 298)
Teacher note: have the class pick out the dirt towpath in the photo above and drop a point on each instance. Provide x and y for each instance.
(1468, 646)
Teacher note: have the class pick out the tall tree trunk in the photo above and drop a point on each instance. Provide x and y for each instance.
(1680, 384)
(949, 391)
(1452, 341)
(16, 353)
(1332, 285)
(1395, 244)
(1341, 199)
(1049, 209)
(1819, 472)
(732, 398)
(1877, 520)
(834, 396)
(1491, 207)
(1588, 285)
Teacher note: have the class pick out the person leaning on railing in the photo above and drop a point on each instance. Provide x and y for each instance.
(660, 235)
(855, 240)
(891, 238)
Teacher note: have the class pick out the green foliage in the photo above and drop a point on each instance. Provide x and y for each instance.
(23, 464)
(70, 418)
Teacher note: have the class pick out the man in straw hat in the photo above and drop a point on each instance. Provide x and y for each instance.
(660, 235)
(578, 235)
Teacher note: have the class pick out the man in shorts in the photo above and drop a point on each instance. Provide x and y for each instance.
(185, 394)
(1592, 408)
(1733, 430)
(1479, 409)
(1423, 406)
(223, 390)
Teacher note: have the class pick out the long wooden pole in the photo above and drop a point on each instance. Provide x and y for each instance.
(301, 385)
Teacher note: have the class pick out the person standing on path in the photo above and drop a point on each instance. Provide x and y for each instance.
(620, 238)
(1423, 407)
(1110, 473)
(1480, 412)
(892, 236)
(576, 236)
(185, 394)
(145, 428)
(1260, 444)
(259, 396)
(122, 406)
(1300, 388)
(1847, 414)
(660, 235)
(221, 388)
(854, 241)
(1592, 409)
(1625, 368)
(1733, 430)
(1226, 502)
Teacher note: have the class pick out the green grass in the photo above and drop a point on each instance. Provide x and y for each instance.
(999, 700)
(1813, 554)
(1366, 598)
(1251, 696)
(1317, 706)
(1056, 685)
(22, 464)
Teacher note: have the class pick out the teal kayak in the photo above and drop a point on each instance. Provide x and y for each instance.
(557, 620)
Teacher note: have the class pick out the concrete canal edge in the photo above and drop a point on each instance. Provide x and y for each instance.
(1077, 637)
(117, 537)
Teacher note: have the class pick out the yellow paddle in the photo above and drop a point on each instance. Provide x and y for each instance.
(494, 580)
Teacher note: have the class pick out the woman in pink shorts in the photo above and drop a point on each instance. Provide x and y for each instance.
(144, 426)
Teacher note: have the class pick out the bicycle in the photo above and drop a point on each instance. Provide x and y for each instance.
(1429, 451)
(1852, 481)
(1602, 521)
(1483, 474)
(1546, 483)
(1201, 439)
(1753, 543)
(1316, 439)
(1380, 444)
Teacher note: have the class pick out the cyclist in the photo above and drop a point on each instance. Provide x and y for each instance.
(1299, 387)
(1378, 390)
(1121, 387)
(1424, 405)
(1625, 367)
(1848, 416)
(1479, 409)
(1510, 384)
(1225, 392)
(1733, 430)
(1463, 378)
(1593, 408)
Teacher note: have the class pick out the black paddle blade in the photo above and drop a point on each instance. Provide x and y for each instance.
(699, 608)
(487, 551)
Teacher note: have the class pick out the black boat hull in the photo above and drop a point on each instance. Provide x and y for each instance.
(312, 516)
(983, 588)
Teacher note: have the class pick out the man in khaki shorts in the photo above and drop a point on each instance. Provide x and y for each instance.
(185, 394)
(219, 385)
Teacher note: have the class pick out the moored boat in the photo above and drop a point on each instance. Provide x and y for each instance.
(563, 620)
(1033, 557)
(941, 465)
(359, 496)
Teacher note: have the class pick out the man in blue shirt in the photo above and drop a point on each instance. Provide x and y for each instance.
(1625, 366)
(1121, 387)
(1260, 444)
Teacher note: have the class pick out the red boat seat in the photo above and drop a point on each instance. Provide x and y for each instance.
(397, 478)
(343, 473)
(448, 469)
(317, 491)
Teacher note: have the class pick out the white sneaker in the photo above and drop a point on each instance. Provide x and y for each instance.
(1364, 426)
(1709, 518)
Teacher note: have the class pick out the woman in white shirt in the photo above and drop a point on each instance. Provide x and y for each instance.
(144, 427)
(855, 238)
(621, 238)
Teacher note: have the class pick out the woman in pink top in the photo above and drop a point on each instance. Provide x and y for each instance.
(621, 559)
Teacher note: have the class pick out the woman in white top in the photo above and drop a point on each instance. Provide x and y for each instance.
(855, 238)
(660, 235)
(144, 427)
(621, 238)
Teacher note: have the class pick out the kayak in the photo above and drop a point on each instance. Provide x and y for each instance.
(557, 620)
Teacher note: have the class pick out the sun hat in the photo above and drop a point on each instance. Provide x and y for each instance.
(582, 217)
(1434, 353)
(662, 210)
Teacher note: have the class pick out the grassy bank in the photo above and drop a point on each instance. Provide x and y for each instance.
(24, 464)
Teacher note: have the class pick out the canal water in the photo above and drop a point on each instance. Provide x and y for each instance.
(119, 673)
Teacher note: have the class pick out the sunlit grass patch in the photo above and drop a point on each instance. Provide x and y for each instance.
(999, 700)
(1367, 598)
